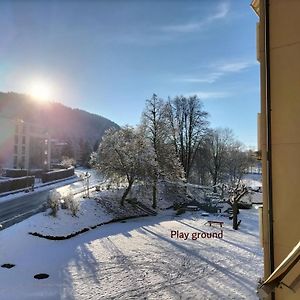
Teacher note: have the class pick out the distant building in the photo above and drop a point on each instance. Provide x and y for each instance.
(23, 145)
(57, 147)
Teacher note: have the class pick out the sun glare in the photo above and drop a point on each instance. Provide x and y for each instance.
(40, 91)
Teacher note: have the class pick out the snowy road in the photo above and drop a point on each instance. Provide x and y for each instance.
(17, 207)
(21, 208)
(135, 260)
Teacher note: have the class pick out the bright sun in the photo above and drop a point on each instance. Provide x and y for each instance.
(40, 91)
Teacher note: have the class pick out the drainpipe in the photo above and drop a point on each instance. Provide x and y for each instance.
(269, 135)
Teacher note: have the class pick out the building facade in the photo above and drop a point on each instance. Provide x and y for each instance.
(23, 145)
(278, 51)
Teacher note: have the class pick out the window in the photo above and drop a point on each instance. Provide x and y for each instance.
(23, 140)
(16, 149)
(17, 128)
(23, 150)
(16, 139)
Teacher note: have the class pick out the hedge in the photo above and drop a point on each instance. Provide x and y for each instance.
(59, 166)
(58, 174)
(15, 173)
(16, 183)
(37, 173)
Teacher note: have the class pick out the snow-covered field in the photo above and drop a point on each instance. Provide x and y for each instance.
(137, 259)
(252, 180)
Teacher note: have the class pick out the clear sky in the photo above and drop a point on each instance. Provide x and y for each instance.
(108, 57)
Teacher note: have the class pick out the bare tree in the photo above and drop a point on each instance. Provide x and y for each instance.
(200, 170)
(217, 143)
(188, 124)
(236, 196)
(124, 155)
(153, 121)
(154, 125)
(238, 162)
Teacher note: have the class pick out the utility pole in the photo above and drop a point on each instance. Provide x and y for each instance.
(87, 178)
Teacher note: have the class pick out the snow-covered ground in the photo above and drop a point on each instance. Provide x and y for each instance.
(252, 180)
(137, 259)
(64, 224)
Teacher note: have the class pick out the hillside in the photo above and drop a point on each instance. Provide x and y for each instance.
(62, 122)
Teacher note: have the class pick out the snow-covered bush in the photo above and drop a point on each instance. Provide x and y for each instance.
(74, 206)
(177, 205)
(69, 202)
(180, 211)
(54, 201)
(93, 159)
(68, 162)
(66, 200)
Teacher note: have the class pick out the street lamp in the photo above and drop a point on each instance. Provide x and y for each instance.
(87, 176)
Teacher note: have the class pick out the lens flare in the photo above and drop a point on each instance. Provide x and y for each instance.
(40, 91)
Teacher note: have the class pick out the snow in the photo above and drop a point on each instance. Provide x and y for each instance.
(64, 224)
(252, 180)
(42, 187)
(256, 198)
(134, 260)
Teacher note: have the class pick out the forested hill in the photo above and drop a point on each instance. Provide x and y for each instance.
(61, 121)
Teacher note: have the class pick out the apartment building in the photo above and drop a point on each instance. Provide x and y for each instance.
(278, 51)
(23, 145)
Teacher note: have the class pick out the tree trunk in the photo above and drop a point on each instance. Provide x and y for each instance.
(235, 215)
(154, 194)
(222, 190)
(126, 192)
(215, 180)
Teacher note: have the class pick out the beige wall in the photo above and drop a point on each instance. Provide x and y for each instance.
(285, 126)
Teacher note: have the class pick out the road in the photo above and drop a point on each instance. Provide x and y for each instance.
(18, 209)
(28, 204)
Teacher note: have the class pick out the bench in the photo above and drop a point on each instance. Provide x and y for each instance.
(192, 207)
(215, 222)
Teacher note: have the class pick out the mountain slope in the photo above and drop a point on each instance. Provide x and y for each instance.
(62, 122)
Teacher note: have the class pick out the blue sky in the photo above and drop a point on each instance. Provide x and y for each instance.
(108, 57)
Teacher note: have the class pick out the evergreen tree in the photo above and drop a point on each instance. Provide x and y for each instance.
(68, 149)
(85, 152)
